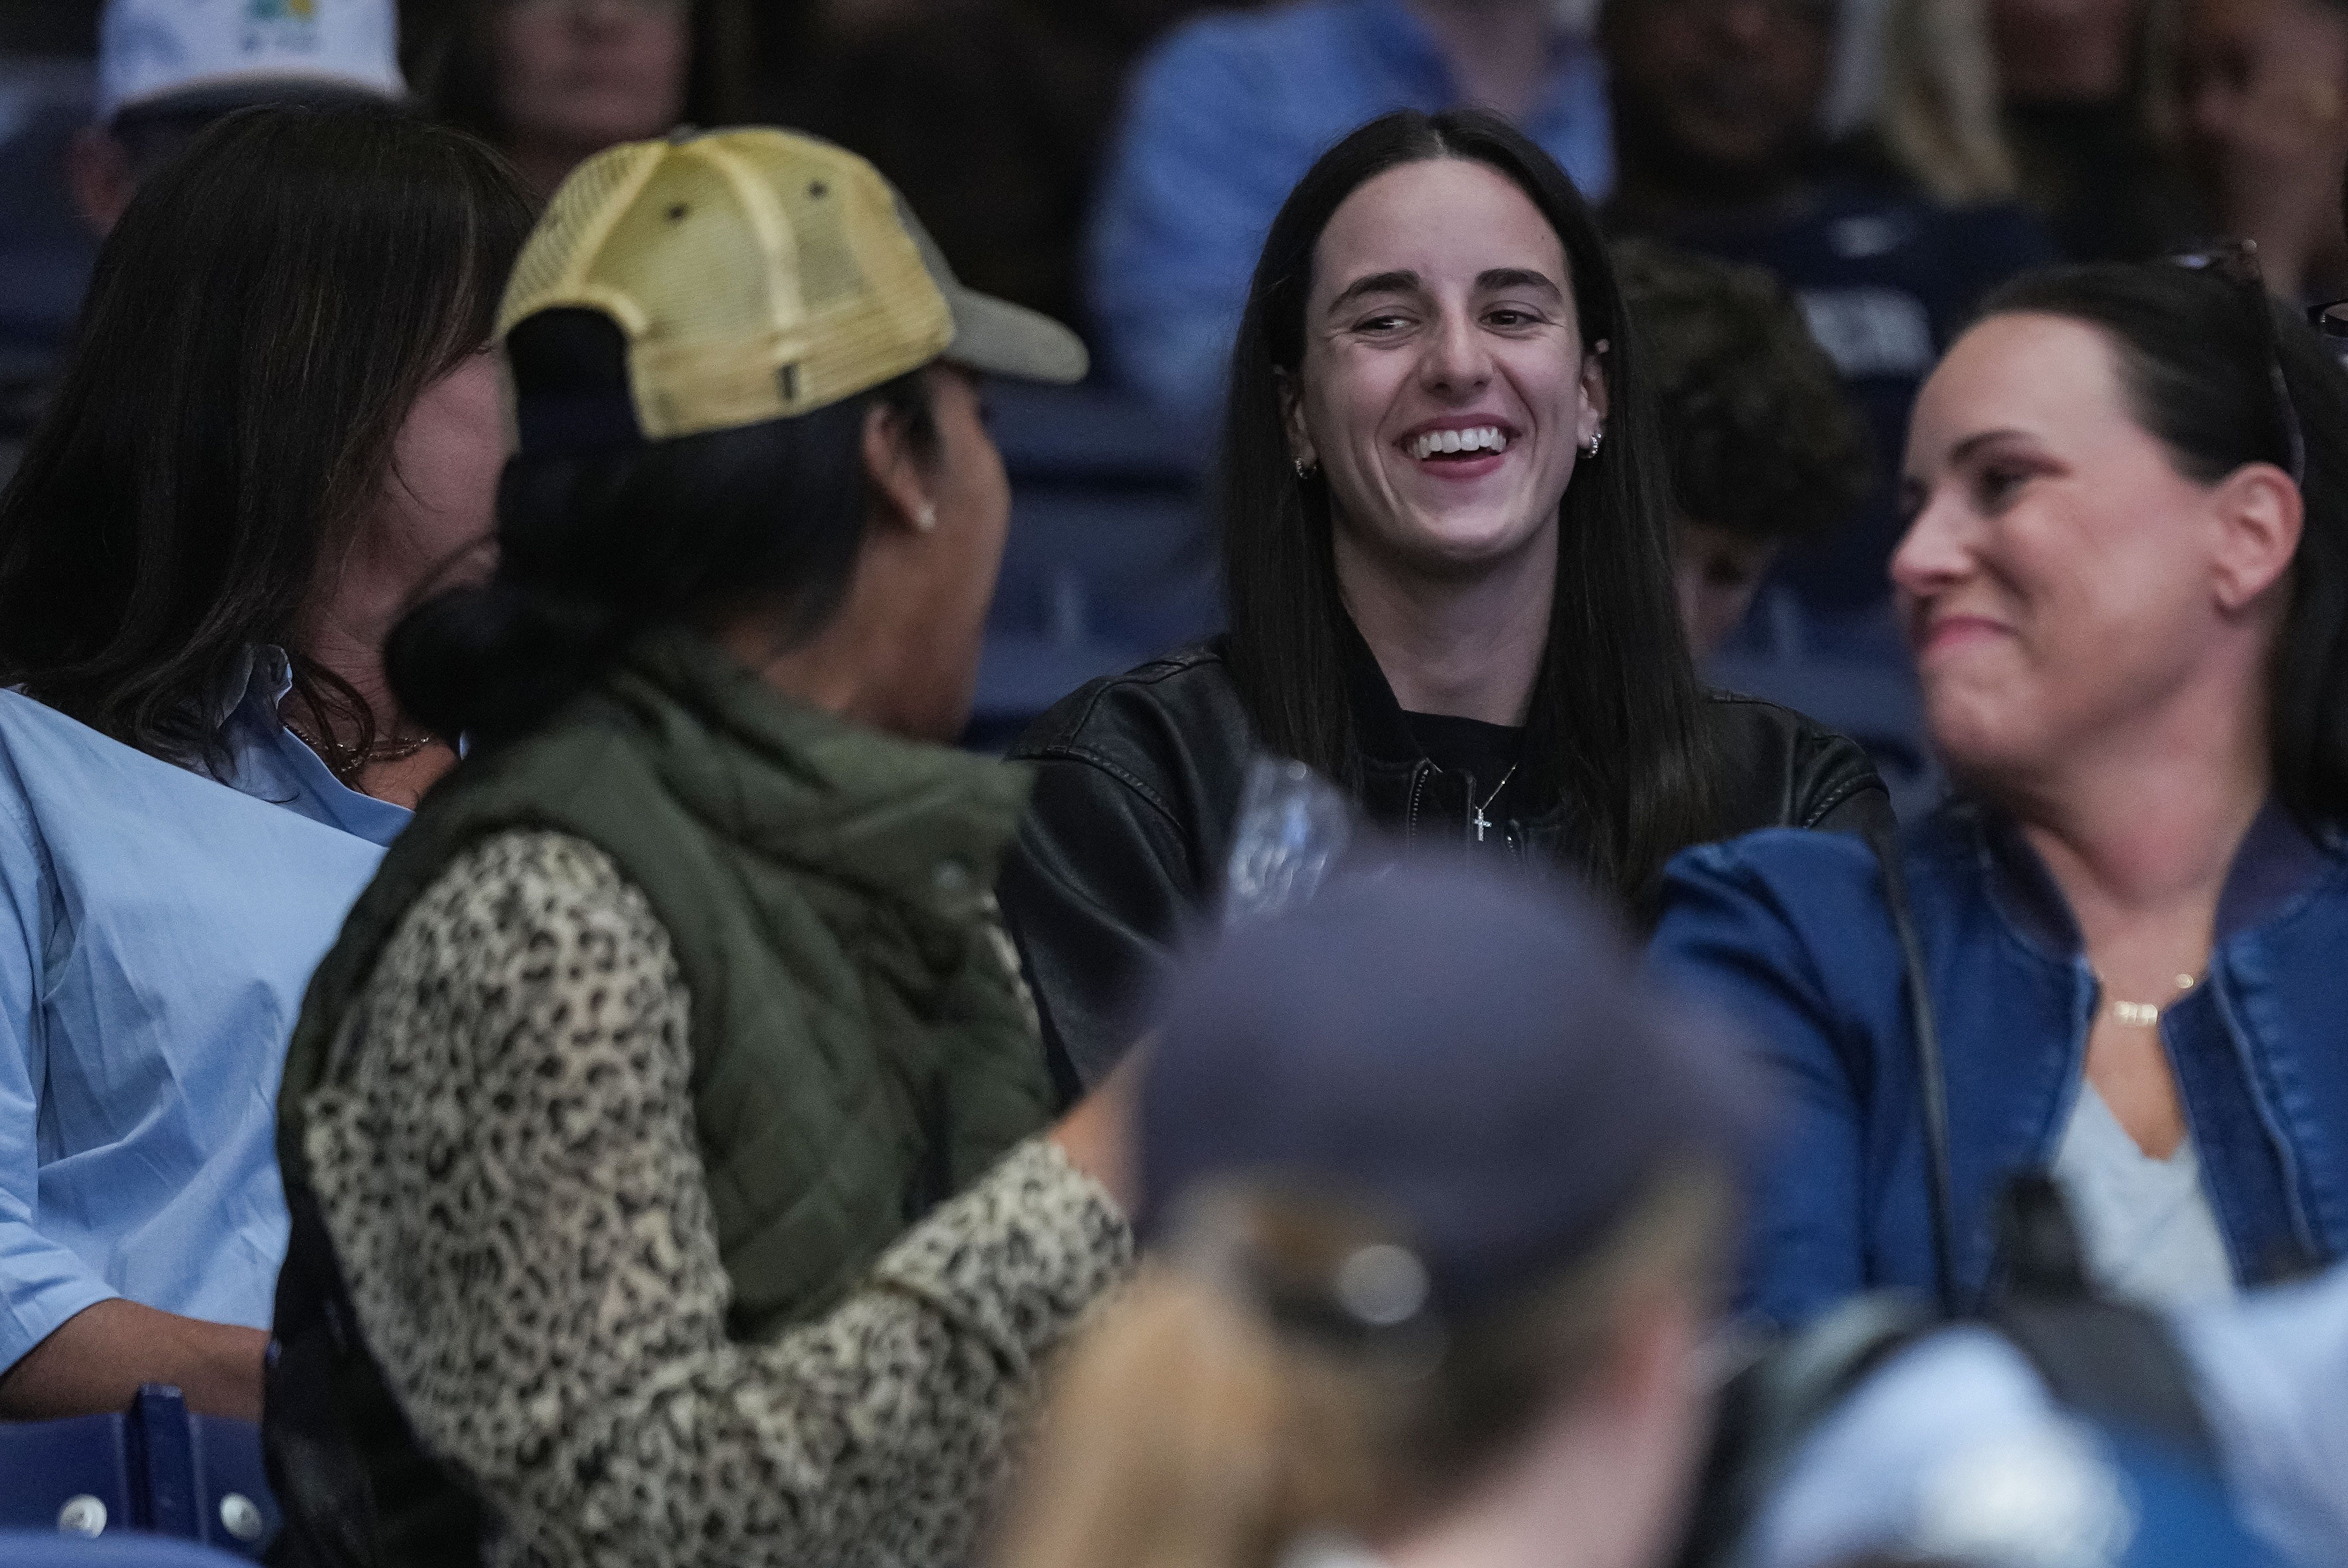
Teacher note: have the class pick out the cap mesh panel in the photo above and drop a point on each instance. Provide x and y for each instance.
(828, 268)
(687, 255)
(554, 245)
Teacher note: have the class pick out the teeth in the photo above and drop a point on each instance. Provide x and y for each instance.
(1483, 437)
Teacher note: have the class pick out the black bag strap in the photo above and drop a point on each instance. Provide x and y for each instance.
(1932, 1075)
(2116, 1364)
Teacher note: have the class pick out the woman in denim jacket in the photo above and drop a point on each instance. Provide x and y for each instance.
(2126, 585)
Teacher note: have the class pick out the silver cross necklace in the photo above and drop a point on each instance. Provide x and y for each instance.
(1483, 823)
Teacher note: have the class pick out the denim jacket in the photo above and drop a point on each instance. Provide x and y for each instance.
(1790, 933)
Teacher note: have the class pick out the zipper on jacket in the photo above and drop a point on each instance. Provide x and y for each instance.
(1418, 773)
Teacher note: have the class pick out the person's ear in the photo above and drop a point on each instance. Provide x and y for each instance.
(99, 177)
(899, 480)
(1301, 449)
(1593, 394)
(2260, 514)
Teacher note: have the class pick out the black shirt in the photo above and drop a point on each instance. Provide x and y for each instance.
(1486, 754)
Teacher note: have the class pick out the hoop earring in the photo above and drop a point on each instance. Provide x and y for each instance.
(1596, 437)
(1305, 470)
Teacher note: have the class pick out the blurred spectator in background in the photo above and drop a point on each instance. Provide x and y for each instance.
(1764, 449)
(990, 116)
(1225, 117)
(167, 68)
(1718, 140)
(278, 425)
(1445, 539)
(2067, 106)
(666, 1135)
(2263, 90)
(549, 83)
(2126, 585)
(1437, 1195)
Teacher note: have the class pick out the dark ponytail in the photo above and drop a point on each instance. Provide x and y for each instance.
(597, 545)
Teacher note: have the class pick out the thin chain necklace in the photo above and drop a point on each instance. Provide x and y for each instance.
(340, 759)
(1483, 823)
(2146, 1014)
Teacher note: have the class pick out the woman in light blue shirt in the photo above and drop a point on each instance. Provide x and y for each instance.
(280, 427)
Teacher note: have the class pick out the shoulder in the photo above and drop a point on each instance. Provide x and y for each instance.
(1783, 769)
(1227, 40)
(1752, 726)
(1829, 884)
(1242, 71)
(546, 908)
(1148, 726)
(1819, 876)
(1221, 52)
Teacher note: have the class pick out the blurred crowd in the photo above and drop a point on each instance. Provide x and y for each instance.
(1333, 784)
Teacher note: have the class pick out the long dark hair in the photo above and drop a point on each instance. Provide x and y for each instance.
(449, 57)
(2194, 367)
(1616, 729)
(262, 320)
(600, 540)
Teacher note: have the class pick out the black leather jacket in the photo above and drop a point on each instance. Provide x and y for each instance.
(1138, 790)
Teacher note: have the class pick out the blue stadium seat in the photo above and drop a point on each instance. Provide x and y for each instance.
(1109, 560)
(30, 1549)
(154, 1470)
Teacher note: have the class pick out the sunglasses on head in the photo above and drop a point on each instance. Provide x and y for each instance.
(2237, 262)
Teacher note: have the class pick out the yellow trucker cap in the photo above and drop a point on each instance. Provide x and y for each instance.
(758, 274)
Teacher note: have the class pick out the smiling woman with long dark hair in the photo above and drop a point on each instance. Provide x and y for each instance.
(1445, 523)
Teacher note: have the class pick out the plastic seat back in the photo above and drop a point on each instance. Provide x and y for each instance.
(155, 1469)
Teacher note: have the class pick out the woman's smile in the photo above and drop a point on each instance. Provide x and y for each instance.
(1459, 448)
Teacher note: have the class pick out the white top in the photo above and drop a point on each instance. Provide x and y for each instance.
(2150, 1234)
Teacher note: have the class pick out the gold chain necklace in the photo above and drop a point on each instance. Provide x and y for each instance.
(340, 758)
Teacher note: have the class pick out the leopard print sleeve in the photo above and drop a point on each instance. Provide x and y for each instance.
(505, 1155)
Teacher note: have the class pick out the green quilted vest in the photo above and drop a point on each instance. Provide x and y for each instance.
(862, 1047)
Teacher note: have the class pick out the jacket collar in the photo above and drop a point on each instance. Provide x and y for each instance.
(924, 824)
(2278, 864)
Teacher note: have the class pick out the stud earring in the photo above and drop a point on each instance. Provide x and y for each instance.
(926, 520)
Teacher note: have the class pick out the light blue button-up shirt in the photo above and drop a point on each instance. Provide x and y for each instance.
(1224, 117)
(157, 929)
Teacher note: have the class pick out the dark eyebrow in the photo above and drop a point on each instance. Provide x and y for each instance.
(1500, 278)
(1376, 282)
(1965, 448)
(1972, 444)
